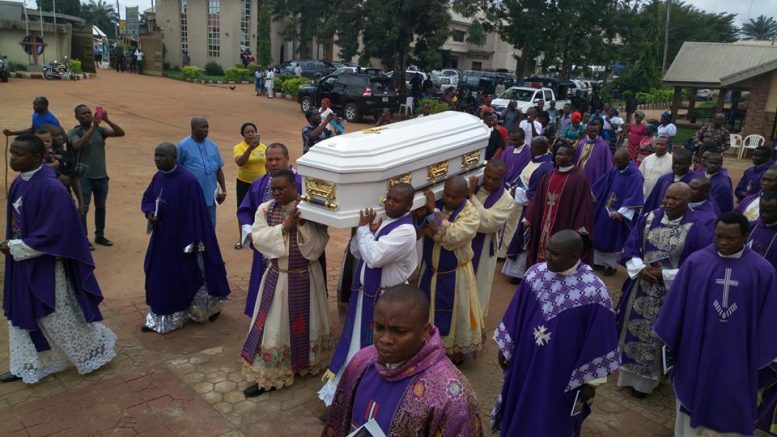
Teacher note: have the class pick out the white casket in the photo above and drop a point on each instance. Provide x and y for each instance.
(347, 173)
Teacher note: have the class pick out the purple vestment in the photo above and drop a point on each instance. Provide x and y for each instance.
(721, 192)
(172, 276)
(656, 197)
(706, 214)
(751, 180)
(426, 395)
(515, 162)
(763, 240)
(557, 334)
(658, 245)
(371, 289)
(720, 319)
(477, 242)
(744, 203)
(599, 160)
(616, 189)
(517, 244)
(258, 193)
(42, 214)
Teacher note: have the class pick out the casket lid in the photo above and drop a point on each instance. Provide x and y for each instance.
(372, 150)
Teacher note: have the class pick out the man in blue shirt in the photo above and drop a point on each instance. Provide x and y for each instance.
(201, 157)
(40, 117)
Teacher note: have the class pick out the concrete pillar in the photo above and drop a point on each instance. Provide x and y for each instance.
(676, 98)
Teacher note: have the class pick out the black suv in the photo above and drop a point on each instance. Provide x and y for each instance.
(353, 94)
(310, 67)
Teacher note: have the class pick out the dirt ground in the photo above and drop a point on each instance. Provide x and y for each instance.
(189, 381)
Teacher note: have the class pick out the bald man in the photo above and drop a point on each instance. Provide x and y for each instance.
(201, 157)
(701, 205)
(655, 250)
(619, 198)
(493, 204)
(446, 274)
(543, 347)
(681, 172)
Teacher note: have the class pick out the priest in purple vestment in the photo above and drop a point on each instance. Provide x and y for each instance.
(557, 341)
(563, 201)
(681, 172)
(277, 158)
(763, 231)
(50, 294)
(592, 155)
(619, 197)
(185, 274)
(657, 246)
(404, 384)
(516, 157)
(721, 191)
(749, 206)
(749, 184)
(703, 207)
(720, 322)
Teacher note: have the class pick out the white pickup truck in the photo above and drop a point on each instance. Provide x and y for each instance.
(525, 97)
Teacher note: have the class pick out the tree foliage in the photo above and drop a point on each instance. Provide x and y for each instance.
(762, 28)
(101, 14)
(264, 36)
(67, 7)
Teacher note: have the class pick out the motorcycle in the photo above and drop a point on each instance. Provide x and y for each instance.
(5, 71)
(57, 70)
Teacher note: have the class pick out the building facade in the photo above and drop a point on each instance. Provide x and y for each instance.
(48, 36)
(493, 54)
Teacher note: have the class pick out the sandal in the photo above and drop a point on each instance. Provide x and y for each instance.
(238, 246)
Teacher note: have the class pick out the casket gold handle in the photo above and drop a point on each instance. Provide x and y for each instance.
(437, 171)
(320, 192)
(470, 159)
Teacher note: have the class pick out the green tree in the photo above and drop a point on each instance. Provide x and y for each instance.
(101, 14)
(264, 37)
(67, 7)
(761, 28)
(477, 33)
(348, 36)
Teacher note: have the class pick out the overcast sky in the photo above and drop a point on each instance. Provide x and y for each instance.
(744, 9)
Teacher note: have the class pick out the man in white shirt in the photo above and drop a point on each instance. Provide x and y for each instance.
(298, 70)
(139, 59)
(270, 83)
(656, 165)
(531, 126)
(388, 256)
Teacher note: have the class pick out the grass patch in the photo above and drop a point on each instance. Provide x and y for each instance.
(683, 134)
(178, 74)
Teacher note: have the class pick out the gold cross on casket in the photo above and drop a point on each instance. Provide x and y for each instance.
(374, 130)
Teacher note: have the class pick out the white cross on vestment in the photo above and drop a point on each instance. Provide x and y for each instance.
(723, 308)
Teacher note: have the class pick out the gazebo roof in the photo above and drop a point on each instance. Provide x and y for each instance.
(716, 65)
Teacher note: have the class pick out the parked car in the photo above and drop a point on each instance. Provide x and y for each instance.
(525, 98)
(358, 69)
(409, 74)
(451, 73)
(561, 88)
(310, 67)
(703, 94)
(472, 80)
(353, 95)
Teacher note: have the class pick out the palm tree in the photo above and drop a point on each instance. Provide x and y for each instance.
(762, 28)
(101, 14)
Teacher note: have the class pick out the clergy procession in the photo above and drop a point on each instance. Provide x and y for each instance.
(436, 214)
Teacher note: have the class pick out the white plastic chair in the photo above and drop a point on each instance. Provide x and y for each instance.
(736, 143)
(751, 142)
(407, 107)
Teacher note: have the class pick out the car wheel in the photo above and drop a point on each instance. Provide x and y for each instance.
(305, 104)
(352, 113)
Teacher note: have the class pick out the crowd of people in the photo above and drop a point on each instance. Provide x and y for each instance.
(562, 200)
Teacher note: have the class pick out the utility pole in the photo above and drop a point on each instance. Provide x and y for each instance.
(666, 35)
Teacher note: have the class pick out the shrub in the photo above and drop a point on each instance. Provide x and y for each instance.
(291, 85)
(17, 67)
(437, 106)
(191, 72)
(213, 69)
(252, 69)
(74, 65)
(165, 66)
(237, 74)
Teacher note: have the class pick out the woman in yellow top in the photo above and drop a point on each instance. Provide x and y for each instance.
(250, 159)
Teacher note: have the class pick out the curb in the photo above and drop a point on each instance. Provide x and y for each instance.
(39, 75)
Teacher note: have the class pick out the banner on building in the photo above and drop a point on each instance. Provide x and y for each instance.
(133, 20)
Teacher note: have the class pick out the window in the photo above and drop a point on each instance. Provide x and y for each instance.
(214, 30)
(184, 28)
(245, 25)
(458, 35)
(548, 95)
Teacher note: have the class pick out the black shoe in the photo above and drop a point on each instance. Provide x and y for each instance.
(8, 377)
(102, 241)
(638, 394)
(609, 271)
(145, 328)
(91, 246)
(253, 391)
(213, 317)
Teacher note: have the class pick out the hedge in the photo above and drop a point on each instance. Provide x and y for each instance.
(213, 69)
(74, 65)
(237, 74)
(291, 85)
(437, 106)
(191, 72)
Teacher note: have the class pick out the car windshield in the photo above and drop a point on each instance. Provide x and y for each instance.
(380, 84)
(518, 94)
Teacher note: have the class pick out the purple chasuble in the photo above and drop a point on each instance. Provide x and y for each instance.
(371, 289)
(446, 278)
(517, 244)
(763, 240)
(42, 214)
(557, 334)
(722, 311)
(751, 180)
(258, 193)
(173, 277)
(706, 214)
(599, 159)
(515, 162)
(298, 276)
(721, 191)
(480, 238)
(426, 395)
(615, 190)
(744, 203)
(658, 245)
(656, 197)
